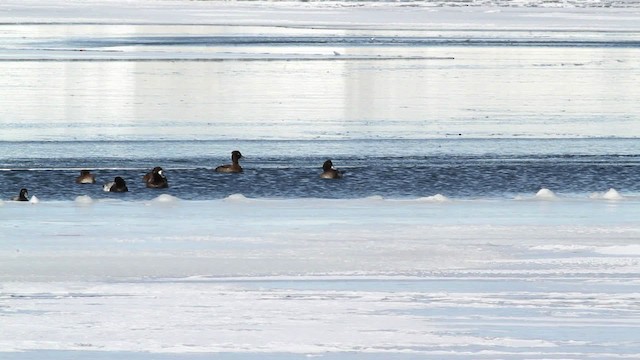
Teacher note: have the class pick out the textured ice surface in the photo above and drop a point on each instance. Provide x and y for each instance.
(452, 279)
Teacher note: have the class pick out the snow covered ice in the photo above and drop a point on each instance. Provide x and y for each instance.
(483, 278)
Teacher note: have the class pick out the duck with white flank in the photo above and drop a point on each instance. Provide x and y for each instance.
(117, 185)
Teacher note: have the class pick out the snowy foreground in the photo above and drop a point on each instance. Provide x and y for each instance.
(535, 277)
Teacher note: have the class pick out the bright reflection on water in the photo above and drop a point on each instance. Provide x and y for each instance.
(343, 86)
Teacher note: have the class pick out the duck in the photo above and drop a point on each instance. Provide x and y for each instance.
(234, 167)
(329, 172)
(86, 177)
(23, 196)
(156, 179)
(117, 185)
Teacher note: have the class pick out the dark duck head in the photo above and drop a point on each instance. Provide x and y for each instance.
(23, 196)
(118, 185)
(329, 172)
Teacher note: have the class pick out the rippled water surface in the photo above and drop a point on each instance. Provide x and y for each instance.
(289, 169)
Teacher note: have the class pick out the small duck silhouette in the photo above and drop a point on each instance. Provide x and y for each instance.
(156, 179)
(234, 167)
(117, 185)
(86, 177)
(23, 196)
(329, 172)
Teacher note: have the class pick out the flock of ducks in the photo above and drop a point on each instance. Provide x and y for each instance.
(156, 179)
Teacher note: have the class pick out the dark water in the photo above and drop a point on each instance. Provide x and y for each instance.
(336, 40)
(281, 169)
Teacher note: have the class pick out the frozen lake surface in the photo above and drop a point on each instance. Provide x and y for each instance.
(430, 278)
(489, 208)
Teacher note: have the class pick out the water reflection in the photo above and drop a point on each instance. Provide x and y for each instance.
(276, 92)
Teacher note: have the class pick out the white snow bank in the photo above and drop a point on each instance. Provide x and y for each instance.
(434, 198)
(622, 250)
(237, 198)
(611, 194)
(166, 198)
(84, 200)
(546, 194)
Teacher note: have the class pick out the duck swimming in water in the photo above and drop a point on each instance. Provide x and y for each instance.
(234, 167)
(23, 196)
(117, 185)
(329, 172)
(156, 179)
(86, 177)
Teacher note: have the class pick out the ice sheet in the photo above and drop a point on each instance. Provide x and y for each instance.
(239, 236)
(439, 279)
(497, 14)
